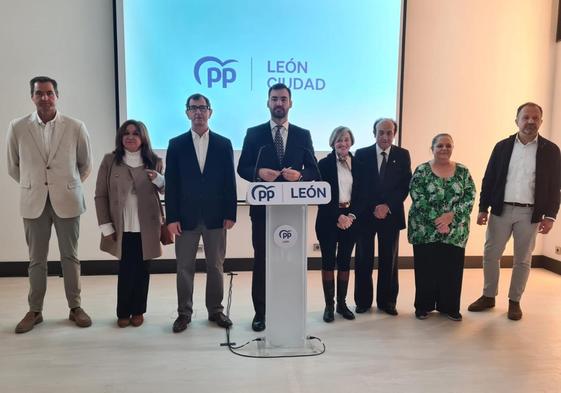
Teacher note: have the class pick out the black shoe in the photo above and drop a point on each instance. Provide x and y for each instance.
(220, 319)
(455, 316)
(181, 323)
(344, 311)
(361, 309)
(420, 314)
(258, 323)
(391, 310)
(328, 315)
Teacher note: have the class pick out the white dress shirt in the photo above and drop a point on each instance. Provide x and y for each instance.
(45, 130)
(201, 147)
(283, 131)
(521, 177)
(345, 179)
(379, 156)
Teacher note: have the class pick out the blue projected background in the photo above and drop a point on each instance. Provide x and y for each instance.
(339, 58)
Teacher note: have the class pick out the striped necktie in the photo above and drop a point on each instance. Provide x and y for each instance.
(279, 146)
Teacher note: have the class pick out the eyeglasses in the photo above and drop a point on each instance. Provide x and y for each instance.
(194, 108)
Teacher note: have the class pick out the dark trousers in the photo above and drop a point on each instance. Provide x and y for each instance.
(336, 247)
(258, 278)
(439, 270)
(134, 277)
(387, 285)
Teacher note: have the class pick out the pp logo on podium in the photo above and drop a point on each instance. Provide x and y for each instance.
(285, 236)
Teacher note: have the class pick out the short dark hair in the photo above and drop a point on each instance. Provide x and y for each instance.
(42, 79)
(280, 86)
(385, 119)
(197, 96)
(528, 104)
(149, 158)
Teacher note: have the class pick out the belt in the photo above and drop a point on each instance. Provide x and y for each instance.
(344, 205)
(519, 204)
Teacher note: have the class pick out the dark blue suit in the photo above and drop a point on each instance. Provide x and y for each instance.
(259, 152)
(200, 201)
(193, 197)
(392, 191)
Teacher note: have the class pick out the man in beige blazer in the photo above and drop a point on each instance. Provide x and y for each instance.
(49, 156)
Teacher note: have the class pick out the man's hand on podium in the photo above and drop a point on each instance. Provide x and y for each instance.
(267, 174)
(290, 174)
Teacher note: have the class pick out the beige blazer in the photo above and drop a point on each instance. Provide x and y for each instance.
(60, 175)
(113, 185)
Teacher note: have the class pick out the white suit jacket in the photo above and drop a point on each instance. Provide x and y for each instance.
(59, 175)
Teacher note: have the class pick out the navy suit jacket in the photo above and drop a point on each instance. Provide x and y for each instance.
(392, 190)
(193, 197)
(259, 152)
(328, 214)
(548, 179)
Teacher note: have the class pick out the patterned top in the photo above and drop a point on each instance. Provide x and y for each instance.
(432, 196)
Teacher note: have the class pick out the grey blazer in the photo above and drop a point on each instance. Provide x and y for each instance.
(59, 175)
(111, 190)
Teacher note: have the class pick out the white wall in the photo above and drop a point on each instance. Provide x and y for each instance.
(468, 65)
(554, 238)
(72, 41)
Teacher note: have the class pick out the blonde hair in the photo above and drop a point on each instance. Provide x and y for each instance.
(336, 134)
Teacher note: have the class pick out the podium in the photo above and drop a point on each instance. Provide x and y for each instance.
(286, 260)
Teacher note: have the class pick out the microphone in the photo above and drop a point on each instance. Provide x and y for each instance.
(256, 167)
(311, 154)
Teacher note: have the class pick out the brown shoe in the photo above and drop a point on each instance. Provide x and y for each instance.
(514, 311)
(481, 304)
(123, 322)
(29, 320)
(137, 320)
(79, 316)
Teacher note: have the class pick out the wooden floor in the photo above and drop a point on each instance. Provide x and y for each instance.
(374, 353)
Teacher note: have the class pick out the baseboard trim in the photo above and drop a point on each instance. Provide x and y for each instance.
(109, 267)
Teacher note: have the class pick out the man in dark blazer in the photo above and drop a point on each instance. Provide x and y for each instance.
(273, 151)
(521, 185)
(200, 201)
(388, 172)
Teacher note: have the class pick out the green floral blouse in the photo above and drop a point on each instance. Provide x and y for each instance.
(432, 196)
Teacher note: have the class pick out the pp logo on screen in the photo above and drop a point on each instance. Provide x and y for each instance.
(263, 193)
(216, 72)
(285, 236)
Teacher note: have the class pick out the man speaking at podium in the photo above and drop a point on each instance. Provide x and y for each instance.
(273, 151)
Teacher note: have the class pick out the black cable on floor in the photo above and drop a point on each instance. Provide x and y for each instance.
(232, 346)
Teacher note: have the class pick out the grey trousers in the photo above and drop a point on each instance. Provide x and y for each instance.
(515, 221)
(37, 235)
(214, 241)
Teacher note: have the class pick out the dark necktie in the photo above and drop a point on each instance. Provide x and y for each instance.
(383, 166)
(278, 144)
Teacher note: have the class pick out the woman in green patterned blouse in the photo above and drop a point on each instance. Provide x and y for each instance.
(443, 193)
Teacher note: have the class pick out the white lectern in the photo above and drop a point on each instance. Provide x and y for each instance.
(286, 260)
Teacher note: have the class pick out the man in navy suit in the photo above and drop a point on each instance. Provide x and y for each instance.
(388, 169)
(200, 201)
(273, 151)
